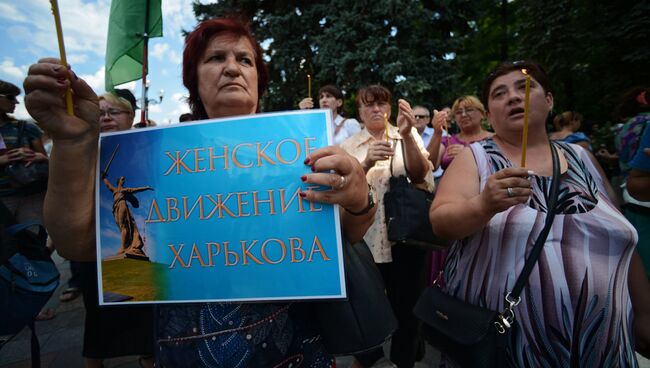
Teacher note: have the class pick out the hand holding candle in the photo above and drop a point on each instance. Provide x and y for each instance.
(524, 138)
(59, 34)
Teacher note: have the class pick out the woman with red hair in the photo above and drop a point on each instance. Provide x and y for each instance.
(225, 75)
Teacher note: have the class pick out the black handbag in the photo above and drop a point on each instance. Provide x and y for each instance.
(407, 212)
(29, 179)
(474, 336)
(364, 320)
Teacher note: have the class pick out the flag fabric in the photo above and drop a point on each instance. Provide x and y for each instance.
(125, 43)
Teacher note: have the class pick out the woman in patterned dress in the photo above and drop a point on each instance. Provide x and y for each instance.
(226, 76)
(586, 299)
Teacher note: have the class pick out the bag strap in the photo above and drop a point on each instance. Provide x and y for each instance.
(513, 297)
(398, 141)
(35, 348)
(339, 126)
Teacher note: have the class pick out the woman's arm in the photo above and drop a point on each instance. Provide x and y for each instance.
(640, 295)
(138, 189)
(69, 208)
(417, 164)
(638, 185)
(435, 148)
(460, 209)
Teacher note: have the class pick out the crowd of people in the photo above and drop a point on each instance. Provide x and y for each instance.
(586, 303)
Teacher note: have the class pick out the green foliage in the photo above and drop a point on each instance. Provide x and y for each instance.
(406, 46)
(432, 51)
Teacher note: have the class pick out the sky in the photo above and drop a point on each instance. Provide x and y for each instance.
(29, 34)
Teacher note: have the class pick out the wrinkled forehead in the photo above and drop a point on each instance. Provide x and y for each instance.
(420, 111)
(230, 41)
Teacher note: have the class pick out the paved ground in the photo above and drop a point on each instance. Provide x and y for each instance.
(61, 339)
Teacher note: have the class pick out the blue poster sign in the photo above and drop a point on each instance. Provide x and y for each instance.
(210, 211)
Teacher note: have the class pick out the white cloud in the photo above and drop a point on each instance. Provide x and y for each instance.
(175, 57)
(96, 81)
(10, 12)
(154, 108)
(179, 97)
(21, 112)
(84, 25)
(19, 33)
(77, 59)
(128, 85)
(8, 68)
(158, 50)
(177, 14)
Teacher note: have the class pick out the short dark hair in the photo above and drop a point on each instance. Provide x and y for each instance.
(373, 93)
(10, 89)
(534, 69)
(195, 45)
(332, 90)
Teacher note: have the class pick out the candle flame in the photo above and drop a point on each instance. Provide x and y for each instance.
(524, 71)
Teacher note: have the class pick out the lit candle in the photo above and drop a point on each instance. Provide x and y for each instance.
(308, 85)
(59, 35)
(524, 137)
(386, 125)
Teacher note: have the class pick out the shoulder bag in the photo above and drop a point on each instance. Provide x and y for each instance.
(407, 212)
(365, 319)
(474, 336)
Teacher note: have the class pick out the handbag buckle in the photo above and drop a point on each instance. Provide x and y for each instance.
(506, 319)
(512, 302)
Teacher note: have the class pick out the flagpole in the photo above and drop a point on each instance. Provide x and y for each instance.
(145, 39)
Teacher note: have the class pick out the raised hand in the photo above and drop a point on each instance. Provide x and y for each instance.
(306, 103)
(439, 120)
(405, 117)
(378, 151)
(45, 88)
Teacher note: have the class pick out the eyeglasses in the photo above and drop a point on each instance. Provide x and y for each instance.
(111, 112)
(464, 111)
(422, 116)
(9, 97)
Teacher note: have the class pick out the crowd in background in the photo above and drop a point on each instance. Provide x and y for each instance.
(467, 154)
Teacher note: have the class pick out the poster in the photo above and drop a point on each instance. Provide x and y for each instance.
(210, 211)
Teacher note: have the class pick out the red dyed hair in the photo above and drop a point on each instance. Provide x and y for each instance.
(195, 45)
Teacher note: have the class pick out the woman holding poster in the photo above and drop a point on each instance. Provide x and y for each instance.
(587, 288)
(226, 76)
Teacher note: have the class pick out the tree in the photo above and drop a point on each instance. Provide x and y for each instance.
(591, 61)
(407, 46)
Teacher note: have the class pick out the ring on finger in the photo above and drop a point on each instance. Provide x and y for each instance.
(511, 192)
(342, 182)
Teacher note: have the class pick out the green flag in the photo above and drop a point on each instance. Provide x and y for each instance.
(125, 44)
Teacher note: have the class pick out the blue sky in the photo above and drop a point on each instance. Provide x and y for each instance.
(29, 34)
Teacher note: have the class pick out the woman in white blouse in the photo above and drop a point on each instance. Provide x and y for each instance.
(401, 267)
(330, 97)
